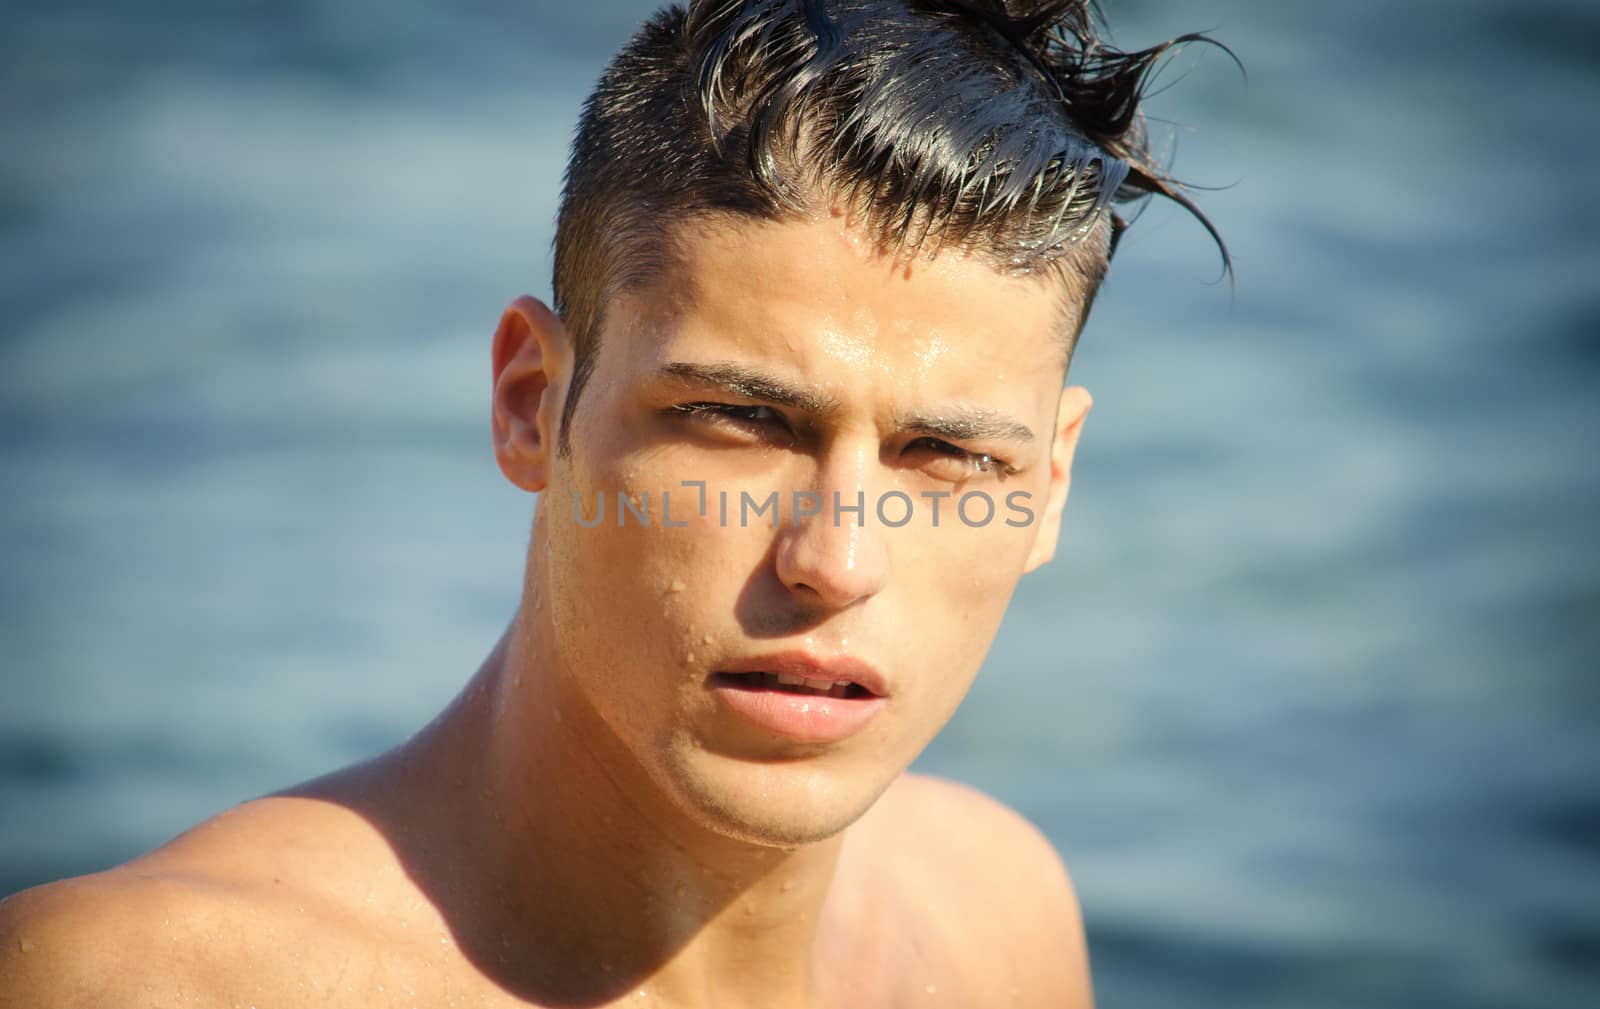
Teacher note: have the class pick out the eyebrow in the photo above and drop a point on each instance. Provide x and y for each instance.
(752, 384)
(961, 424)
(967, 424)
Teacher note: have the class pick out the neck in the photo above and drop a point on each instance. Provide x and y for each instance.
(599, 886)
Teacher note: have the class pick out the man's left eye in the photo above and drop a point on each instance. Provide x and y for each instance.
(954, 463)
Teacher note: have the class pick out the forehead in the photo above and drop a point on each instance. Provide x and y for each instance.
(818, 296)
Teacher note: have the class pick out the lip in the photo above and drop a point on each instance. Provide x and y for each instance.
(805, 718)
(838, 669)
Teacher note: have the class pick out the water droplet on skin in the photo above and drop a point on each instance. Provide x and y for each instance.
(689, 659)
(677, 585)
(788, 885)
(705, 639)
(25, 945)
(933, 989)
(680, 890)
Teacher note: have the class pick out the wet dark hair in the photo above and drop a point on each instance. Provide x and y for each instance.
(1006, 128)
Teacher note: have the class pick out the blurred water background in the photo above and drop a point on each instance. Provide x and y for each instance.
(1309, 698)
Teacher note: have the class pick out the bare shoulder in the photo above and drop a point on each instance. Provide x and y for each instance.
(194, 920)
(103, 939)
(987, 889)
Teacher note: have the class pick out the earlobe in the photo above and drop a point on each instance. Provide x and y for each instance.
(1074, 407)
(532, 354)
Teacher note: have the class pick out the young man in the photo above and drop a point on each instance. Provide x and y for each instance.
(799, 425)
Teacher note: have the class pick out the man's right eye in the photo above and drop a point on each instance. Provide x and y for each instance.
(733, 411)
(746, 419)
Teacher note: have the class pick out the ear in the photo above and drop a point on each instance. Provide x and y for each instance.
(1073, 408)
(532, 360)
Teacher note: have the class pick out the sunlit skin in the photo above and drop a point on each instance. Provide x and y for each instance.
(589, 823)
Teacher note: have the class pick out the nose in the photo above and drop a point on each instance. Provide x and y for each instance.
(837, 556)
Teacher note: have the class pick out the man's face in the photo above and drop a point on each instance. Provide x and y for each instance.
(790, 357)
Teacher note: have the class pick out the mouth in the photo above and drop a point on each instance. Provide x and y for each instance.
(801, 697)
(789, 683)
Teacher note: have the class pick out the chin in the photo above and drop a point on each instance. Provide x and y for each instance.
(788, 804)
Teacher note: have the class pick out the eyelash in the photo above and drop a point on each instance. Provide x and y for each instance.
(981, 462)
(730, 410)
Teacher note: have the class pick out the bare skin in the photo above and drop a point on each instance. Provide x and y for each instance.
(586, 825)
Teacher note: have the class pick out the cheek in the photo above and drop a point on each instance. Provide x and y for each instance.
(651, 596)
(955, 583)
(975, 555)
